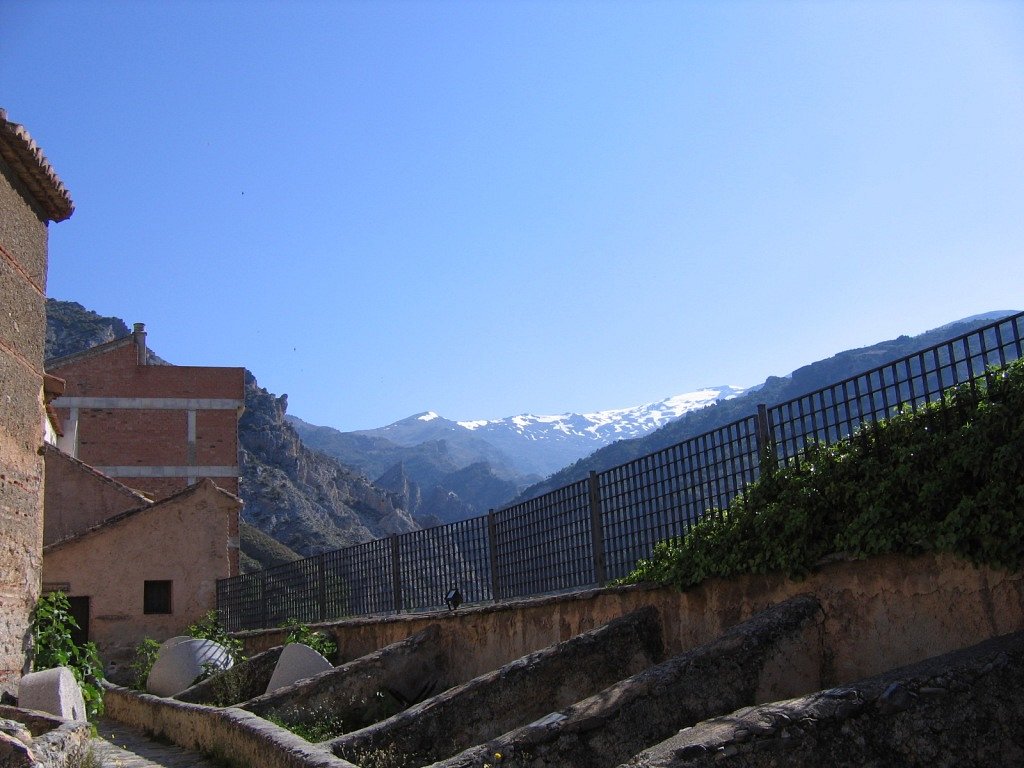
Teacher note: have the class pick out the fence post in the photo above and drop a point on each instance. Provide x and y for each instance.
(321, 574)
(597, 530)
(396, 574)
(765, 441)
(492, 551)
(264, 599)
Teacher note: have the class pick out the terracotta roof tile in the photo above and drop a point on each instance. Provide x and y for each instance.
(20, 151)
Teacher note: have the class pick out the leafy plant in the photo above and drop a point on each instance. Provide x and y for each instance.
(944, 477)
(210, 628)
(146, 653)
(318, 641)
(52, 646)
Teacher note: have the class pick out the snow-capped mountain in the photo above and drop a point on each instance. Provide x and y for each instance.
(538, 445)
(601, 426)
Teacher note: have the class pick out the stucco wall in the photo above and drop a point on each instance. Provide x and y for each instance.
(182, 539)
(23, 243)
(77, 497)
(880, 613)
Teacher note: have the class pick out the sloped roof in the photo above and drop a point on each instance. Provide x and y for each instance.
(20, 151)
(100, 349)
(206, 485)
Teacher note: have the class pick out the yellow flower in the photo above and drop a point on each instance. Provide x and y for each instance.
(497, 755)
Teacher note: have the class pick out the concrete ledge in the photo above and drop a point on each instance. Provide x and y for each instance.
(368, 689)
(779, 649)
(519, 692)
(960, 709)
(239, 737)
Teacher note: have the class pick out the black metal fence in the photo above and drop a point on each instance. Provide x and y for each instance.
(594, 530)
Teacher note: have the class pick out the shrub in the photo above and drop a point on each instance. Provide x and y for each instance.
(946, 477)
(141, 665)
(210, 628)
(52, 646)
(318, 641)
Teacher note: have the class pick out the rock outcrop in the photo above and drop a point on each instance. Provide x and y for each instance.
(304, 499)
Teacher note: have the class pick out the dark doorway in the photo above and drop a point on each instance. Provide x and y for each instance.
(80, 613)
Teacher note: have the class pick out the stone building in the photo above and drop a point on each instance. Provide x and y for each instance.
(31, 196)
(157, 429)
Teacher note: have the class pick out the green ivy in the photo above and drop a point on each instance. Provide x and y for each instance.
(318, 641)
(52, 646)
(946, 477)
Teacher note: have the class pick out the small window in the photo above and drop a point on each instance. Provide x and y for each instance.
(156, 597)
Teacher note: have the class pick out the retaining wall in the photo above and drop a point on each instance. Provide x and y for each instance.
(881, 613)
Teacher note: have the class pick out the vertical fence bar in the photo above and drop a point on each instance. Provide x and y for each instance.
(492, 553)
(764, 439)
(264, 598)
(597, 530)
(321, 581)
(396, 574)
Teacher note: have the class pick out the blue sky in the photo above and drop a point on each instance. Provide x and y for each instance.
(492, 208)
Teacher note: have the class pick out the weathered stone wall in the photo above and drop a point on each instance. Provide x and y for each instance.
(509, 697)
(56, 743)
(960, 709)
(773, 654)
(110, 564)
(23, 243)
(881, 613)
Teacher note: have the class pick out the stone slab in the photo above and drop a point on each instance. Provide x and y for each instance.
(54, 691)
(178, 665)
(298, 662)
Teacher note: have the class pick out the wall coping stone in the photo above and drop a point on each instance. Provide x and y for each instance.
(228, 732)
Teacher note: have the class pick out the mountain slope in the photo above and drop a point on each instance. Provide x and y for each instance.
(304, 499)
(774, 390)
(445, 470)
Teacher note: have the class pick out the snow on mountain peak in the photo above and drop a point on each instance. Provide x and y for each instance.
(605, 426)
(428, 416)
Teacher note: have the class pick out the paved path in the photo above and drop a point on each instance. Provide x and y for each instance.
(119, 746)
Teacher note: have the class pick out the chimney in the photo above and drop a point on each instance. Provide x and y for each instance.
(139, 332)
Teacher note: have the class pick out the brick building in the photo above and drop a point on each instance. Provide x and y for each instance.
(157, 429)
(31, 196)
